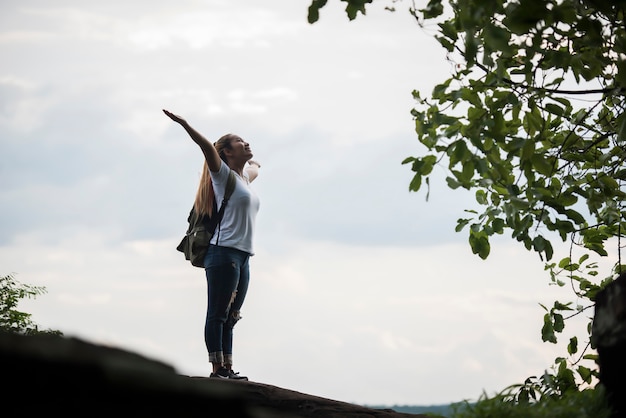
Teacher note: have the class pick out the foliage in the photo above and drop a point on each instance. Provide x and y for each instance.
(509, 123)
(589, 403)
(12, 320)
(352, 8)
(532, 121)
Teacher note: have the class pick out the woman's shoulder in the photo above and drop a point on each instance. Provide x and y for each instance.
(221, 175)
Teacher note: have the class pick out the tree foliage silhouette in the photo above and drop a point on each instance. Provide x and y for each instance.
(532, 121)
(13, 320)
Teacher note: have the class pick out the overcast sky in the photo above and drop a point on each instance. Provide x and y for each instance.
(360, 291)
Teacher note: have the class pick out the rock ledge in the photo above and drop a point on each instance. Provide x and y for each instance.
(46, 374)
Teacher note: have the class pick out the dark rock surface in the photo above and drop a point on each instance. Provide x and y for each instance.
(609, 337)
(46, 375)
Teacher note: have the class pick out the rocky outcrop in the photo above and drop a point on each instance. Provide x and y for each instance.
(47, 375)
(608, 334)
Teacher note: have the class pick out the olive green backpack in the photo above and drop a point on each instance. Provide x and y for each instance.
(196, 241)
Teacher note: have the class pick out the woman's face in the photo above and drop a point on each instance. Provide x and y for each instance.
(240, 148)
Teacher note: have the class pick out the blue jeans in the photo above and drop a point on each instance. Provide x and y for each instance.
(228, 274)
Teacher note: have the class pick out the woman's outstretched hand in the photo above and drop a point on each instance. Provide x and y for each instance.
(210, 154)
(174, 117)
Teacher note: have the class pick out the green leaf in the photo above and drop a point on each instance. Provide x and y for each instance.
(542, 165)
(528, 150)
(572, 347)
(471, 47)
(559, 324)
(439, 90)
(447, 28)
(548, 250)
(458, 152)
(555, 109)
(575, 216)
(522, 16)
(446, 43)
(547, 331)
(533, 121)
(424, 165)
(558, 306)
(461, 223)
(539, 243)
(585, 373)
(479, 243)
(314, 10)
(481, 197)
(355, 6)
(496, 38)
(416, 183)
(467, 173)
(452, 183)
(498, 225)
(433, 9)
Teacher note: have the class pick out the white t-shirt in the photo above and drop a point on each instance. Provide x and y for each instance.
(237, 227)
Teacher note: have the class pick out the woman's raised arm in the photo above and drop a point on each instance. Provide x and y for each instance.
(210, 153)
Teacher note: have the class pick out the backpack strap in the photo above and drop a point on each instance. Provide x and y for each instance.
(216, 221)
(230, 186)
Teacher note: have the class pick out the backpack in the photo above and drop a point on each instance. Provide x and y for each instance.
(196, 241)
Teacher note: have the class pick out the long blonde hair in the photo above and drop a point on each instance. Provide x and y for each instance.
(205, 196)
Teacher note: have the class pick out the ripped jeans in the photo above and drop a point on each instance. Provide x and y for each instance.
(228, 274)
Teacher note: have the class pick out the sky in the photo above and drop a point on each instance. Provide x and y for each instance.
(361, 291)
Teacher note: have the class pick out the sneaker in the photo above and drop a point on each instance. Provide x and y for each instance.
(236, 376)
(224, 373)
(221, 373)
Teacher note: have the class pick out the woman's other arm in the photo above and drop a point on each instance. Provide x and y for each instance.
(253, 169)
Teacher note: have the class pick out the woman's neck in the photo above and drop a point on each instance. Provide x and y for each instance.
(237, 167)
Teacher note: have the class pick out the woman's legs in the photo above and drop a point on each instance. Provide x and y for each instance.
(234, 312)
(228, 275)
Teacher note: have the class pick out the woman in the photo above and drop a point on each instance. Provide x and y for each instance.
(227, 261)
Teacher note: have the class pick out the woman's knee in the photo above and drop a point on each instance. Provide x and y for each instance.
(233, 318)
